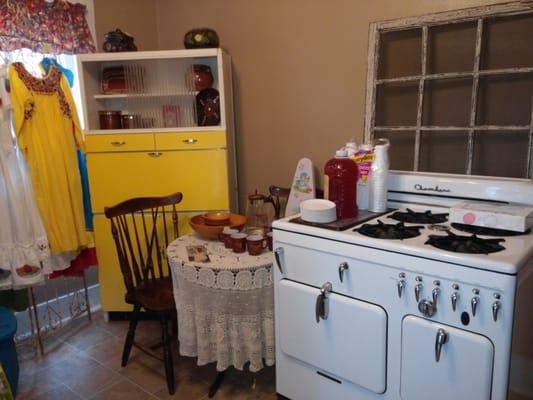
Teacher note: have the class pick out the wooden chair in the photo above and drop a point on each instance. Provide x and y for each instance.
(142, 229)
(279, 196)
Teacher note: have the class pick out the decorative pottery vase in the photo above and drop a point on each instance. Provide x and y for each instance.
(208, 107)
(200, 38)
(117, 40)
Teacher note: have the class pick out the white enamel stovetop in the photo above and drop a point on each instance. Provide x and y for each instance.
(518, 249)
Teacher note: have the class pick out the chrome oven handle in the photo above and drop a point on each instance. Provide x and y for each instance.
(278, 254)
(322, 302)
(440, 340)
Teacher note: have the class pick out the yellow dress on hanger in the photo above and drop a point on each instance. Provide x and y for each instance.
(48, 133)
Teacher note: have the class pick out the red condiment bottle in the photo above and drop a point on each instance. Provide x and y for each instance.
(340, 183)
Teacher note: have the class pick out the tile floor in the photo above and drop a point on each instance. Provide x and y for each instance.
(82, 361)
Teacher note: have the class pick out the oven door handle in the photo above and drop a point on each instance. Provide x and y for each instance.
(278, 253)
(322, 302)
(440, 340)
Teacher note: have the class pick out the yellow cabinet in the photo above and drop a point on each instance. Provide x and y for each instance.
(164, 152)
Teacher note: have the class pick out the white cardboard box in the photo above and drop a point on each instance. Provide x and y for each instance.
(500, 216)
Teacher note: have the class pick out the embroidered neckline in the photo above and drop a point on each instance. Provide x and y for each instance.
(48, 84)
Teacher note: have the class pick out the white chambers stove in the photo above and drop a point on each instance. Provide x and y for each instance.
(404, 305)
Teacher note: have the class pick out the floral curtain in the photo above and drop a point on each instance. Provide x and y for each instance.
(49, 27)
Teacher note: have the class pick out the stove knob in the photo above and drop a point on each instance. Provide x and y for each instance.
(474, 302)
(495, 308)
(418, 290)
(435, 294)
(454, 297)
(427, 308)
(400, 285)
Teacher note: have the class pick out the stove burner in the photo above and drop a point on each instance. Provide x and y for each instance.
(481, 230)
(413, 217)
(389, 231)
(465, 244)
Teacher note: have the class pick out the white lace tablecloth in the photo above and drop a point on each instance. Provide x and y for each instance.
(225, 306)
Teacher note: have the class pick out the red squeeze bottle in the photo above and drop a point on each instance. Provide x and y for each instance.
(340, 183)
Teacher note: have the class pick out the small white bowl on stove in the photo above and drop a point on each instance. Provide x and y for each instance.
(318, 211)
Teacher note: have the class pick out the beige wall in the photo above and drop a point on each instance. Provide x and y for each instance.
(299, 71)
(136, 17)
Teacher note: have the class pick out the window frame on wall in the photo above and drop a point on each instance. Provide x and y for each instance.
(475, 15)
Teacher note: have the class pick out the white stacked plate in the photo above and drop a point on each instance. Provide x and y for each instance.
(318, 211)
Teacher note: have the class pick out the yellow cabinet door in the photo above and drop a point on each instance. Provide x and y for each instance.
(112, 289)
(201, 175)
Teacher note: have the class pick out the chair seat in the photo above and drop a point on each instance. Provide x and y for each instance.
(153, 295)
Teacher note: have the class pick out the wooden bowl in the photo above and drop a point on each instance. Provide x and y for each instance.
(216, 218)
(197, 223)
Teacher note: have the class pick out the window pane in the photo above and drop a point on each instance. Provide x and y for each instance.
(505, 100)
(400, 53)
(447, 102)
(396, 104)
(443, 151)
(500, 154)
(402, 148)
(451, 48)
(507, 42)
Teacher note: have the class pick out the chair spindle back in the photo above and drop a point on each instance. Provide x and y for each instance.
(142, 231)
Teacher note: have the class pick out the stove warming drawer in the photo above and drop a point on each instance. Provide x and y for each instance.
(463, 369)
(350, 344)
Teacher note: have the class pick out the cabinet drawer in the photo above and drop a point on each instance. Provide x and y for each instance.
(200, 175)
(120, 142)
(190, 140)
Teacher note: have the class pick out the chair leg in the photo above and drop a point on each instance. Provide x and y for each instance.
(167, 352)
(131, 334)
(174, 327)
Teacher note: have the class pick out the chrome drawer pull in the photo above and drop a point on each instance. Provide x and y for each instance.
(155, 154)
(118, 143)
(190, 141)
(278, 253)
(440, 340)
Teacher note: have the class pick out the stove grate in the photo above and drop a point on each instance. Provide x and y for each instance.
(414, 217)
(465, 244)
(389, 231)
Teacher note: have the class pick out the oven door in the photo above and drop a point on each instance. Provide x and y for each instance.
(348, 343)
(440, 362)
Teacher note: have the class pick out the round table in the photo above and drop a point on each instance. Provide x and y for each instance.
(225, 306)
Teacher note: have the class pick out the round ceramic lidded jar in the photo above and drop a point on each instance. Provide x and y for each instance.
(203, 77)
(201, 38)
